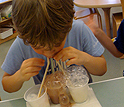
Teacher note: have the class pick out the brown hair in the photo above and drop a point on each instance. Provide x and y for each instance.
(42, 22)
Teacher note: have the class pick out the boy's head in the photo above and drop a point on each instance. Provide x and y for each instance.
(42, 23)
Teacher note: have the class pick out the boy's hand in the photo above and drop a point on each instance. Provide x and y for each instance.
(29, 68)
(75, 56)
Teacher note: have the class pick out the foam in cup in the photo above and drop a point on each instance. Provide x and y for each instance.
(31, 97)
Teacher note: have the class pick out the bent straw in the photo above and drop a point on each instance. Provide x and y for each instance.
(63, 72)
(39, 94)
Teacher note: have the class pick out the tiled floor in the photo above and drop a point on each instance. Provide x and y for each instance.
(115, 67)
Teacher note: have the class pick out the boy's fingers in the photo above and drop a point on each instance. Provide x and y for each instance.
(32, 69)
(65, 54)
(34, 62)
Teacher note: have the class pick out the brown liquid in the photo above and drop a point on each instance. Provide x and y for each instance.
(53, 87)
(55, 83)
(64, 99)
(54, 95)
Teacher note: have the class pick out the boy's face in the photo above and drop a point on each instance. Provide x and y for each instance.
(50, 53)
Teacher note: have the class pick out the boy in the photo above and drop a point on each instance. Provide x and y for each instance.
(116, 47)
(46, 29)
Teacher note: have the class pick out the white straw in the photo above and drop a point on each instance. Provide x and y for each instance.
(61, 68)
(39, 94)
(64, 72)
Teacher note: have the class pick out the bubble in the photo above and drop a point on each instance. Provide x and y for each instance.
(77, 75)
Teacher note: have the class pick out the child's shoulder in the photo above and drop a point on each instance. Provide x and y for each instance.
(122, 21)
(18, 42)
(120, 31)
(77, 24)
(18, 39)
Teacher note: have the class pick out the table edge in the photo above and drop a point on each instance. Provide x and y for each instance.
(5, 2)
(11, 99)
(106, 80)
(89, 85)
(97, 6)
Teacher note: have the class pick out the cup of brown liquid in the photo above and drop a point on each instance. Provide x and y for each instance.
(54, 83)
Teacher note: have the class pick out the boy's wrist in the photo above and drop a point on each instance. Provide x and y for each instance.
(18, 78)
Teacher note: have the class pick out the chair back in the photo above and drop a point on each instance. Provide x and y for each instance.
(122, 4)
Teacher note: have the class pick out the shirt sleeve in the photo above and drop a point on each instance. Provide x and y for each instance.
(82, 38)
(90, 43)
(13, 58)
(119, 40)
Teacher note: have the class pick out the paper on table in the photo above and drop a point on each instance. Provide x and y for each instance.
(90, 102)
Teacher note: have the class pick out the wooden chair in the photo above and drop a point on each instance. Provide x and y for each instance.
(89, 13)
(117, 18)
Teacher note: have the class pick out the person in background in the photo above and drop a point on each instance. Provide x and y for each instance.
(114, 46)
(46, 28)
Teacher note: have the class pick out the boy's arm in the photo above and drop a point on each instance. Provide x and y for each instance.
(29, 68)
(11, 83)
(104, 39)
(95, 65)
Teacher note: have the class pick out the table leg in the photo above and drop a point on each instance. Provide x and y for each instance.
(107, 20)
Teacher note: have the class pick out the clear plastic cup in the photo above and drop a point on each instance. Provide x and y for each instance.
(55, 83)
(31, 97)
(53, 93)
(64, 99)
(79, 93)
